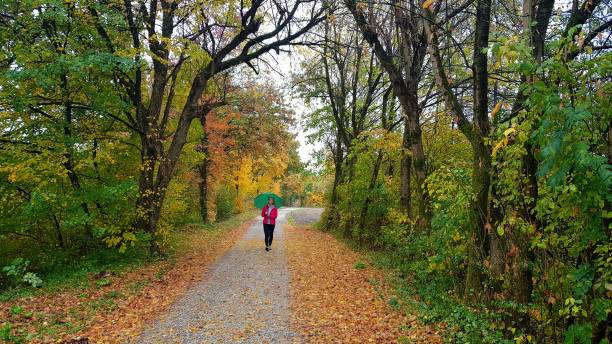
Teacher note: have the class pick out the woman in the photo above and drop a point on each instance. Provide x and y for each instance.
(269, 213)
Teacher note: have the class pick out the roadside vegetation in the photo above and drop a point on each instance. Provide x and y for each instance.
(109, 295)
(468, 144)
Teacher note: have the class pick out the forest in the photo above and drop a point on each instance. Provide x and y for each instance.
(466, 145)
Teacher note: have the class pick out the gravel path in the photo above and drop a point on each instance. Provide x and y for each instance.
(306, 216)
(243, 299)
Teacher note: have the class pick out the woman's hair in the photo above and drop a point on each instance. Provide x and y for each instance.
(273, 200)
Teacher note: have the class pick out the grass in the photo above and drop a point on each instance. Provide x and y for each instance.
(179, 240)
(359, 265)
(60, 270)
(28, 319)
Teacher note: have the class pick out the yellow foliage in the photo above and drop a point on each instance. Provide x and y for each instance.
(315, 199)
(244, 183)
(503, 142)
(496, 109)
(428, 3)
(276, 188)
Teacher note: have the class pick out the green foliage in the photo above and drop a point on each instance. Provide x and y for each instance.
(32, 279)
(359, 265)
(103, 282)
(16, 310)
(435, 290)
(70, 163)
(6, 331)
(66, 167)
(563, 130)
(451, 194)
(60, 270)
(366, 205)
(226, 202)
(18, 272)
(17, 268)
(545, 261)
(578, 334)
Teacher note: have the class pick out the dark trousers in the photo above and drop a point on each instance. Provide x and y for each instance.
(268, 234)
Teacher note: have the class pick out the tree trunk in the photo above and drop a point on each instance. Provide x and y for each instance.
(69, 163)
(332, 219)
(368, 199)
(337, 176)
(423, 221)
(148, 196)
(475, 132)
(479, 249)
(203, 172)
(58, 232)
(408, 99)
(527, 212)
(413, 140)
(481, 178)
(153, 186)
(522, 275)
(535, 24)
(203, 188)
(405, 169)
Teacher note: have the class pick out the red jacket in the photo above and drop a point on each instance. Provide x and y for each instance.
(273, 214)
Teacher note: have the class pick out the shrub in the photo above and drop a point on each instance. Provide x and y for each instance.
(17, 272)
(226, 203)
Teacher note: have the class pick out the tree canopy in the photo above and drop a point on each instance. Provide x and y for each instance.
(470, 141)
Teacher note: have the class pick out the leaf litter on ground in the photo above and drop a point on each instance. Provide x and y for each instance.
(115, 307)
(337, 298)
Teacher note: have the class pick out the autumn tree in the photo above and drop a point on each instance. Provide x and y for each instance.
(350, 80)
(251, 124)
(404, 71)
(194, 42)
(58, 129)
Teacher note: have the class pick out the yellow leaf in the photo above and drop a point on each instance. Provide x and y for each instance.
(496, 109)
(509, 131)
(428, 3)
(501, 144)
(12, 177)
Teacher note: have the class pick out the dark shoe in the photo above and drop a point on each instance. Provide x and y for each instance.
(267, 248)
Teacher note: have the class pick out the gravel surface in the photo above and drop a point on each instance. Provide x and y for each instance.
(244, 298)
(306, 216)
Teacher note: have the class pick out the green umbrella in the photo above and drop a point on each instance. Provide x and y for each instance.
(262, 200)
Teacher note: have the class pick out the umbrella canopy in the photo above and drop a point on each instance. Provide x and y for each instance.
(262, 199)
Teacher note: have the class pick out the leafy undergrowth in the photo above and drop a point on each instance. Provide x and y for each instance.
(337, 296)
(432, 297)
(112, 306)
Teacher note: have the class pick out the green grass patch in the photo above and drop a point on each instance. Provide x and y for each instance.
(359, 265)
(60, 270)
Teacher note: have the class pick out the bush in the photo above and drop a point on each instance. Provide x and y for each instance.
(17, 272)
(226, 203)
(179, 207)
(5, 332)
